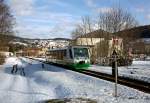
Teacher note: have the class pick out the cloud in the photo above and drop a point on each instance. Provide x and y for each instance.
(57, 2)
(22, 7)
(90, 3)
(96, 8)
(42, 31)
(140, 9)
(46, 25)
(38, 21)
(30, 32)
(104, 9)
(148, 16)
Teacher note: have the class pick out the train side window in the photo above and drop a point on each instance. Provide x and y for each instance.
(70, 53)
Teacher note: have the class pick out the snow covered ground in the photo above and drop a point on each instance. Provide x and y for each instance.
(138, 70)
(40, 59)
(53, 83)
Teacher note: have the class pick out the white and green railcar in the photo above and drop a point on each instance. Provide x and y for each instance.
(77, 57)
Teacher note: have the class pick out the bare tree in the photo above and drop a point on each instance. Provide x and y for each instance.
(6, 22)
(112, 22)
(77, 32)
(116, 20)
(84, 27)
(102, 46)
(87, 25)
(6, 25)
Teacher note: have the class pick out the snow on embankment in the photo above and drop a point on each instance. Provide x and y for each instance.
(56, 83)
(138, 70)
(68, 84)
(141, 63)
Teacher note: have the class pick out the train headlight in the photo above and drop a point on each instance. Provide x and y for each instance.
(87, 61)
(76, 60)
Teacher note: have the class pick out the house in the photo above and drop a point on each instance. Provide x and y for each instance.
(6, 49)
(34, 52)
(4, 52)
(52, 43)
(59, 43)
(92, 38)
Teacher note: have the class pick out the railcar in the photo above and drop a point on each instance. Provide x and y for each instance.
(77, 57)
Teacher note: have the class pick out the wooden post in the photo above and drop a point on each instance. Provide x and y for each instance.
(116, 76)
(115, 72)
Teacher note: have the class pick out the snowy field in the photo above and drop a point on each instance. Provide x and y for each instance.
(138, 70)
(55, 83)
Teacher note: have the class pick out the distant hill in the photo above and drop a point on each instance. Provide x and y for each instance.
(137, 32)
(15, 40)
(97, 34)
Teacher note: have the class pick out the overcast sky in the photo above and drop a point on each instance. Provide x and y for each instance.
(57, 18)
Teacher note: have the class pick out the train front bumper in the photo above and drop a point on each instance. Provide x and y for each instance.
(80, 65)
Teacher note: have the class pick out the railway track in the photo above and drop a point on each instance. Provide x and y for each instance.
(130, 82)
(133, 83)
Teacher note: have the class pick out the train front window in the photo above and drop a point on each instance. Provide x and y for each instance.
(81, 52)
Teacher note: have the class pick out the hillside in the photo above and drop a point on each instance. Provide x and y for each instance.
(137, 32)
(27, 42)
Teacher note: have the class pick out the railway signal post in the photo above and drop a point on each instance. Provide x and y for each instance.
(115, 70)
